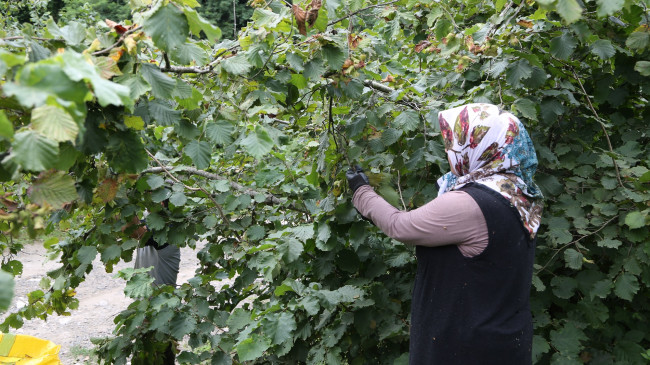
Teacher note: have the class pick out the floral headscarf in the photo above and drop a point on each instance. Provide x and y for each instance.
(491, 147)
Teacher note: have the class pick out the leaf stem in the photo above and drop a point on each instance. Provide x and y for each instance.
(602, 126)
(119, 41)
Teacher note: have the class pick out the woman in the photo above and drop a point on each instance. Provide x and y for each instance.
(475, 242)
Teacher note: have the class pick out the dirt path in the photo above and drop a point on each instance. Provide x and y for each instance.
(101, 298)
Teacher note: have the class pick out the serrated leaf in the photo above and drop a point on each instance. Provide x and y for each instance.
(408, 120)
(56, 190)
(334, 56)
(190, 53)
(601, 289)
(155, 222)
(178, 199)
(626, 286)
(197, 24)
(237, 65)
(167, 27)
(638, 40)
(6, 290)
(86, 254)
(134, 122)
(111, 252)
(280, 328)
(642, 67)
(390, 136)
(290, 250)
(603, 49)
(567, 340)
(54, 123)
(162, 86)
(526, 107)
(163, 114)
(314, 69)
(6, 127)
(563, 46)
(258, 143)
(220, 132)
(255, 233)
(518, 71)
(155, 181)
(609, 7)
(398, 259)
(636, 219)
(563, 287)
(200, 152)
(573, 259)
(181, 325)
(610, 243)
(252, 348)
(569, 10)
(34, 152)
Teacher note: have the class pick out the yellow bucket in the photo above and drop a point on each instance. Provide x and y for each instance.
(27, 350)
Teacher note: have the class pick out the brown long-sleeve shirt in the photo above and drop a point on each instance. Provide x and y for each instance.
(453, 218)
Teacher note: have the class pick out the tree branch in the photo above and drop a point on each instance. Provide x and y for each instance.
(359, 11)
(269, 198)
(119, 41)
(602, 125)
(223, 216)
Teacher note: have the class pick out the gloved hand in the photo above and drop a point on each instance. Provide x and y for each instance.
(356, 178)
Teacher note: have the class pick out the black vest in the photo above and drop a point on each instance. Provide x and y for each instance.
(476, 310)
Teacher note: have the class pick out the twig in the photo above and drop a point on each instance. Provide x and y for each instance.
(14, 38)
(574, 242)
(602, 126)
(269, 198)
(223, 216)
(399, 189)
(359, 11)
(119, 41)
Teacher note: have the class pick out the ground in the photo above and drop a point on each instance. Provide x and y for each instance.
(101, 298)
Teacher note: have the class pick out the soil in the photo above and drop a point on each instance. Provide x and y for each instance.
(101, 298)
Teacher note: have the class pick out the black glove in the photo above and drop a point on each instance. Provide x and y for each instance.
(356, 178)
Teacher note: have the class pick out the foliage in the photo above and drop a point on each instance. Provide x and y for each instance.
(250, 139)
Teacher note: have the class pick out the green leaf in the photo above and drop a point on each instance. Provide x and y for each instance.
(167, 27)
(200, 152)
(6, 127)
(390, 136)
(197, 24)
(237, 65)
(610, 243)
(252, 348)
(563, 46)
(139, 282)
(54, 189)
(34, 152)
(6, 290)
(220, 132)
(569, 10)
(155, 222)
(573, 259)
(563, 287)
(111, 252)
(601, 289)
(334, 57)
(155, 181)
(280, 328)
(638, 40)
(36, 82)
(408, 120)
(290, 250)
(163, 114)
(255, 233)
(609, 7)
(162, 86)
(526, 107)
(190, 53)
(86, 254)
(181, 325)
(518, 71)
(626, 286)
(258, 143)
(134, 122)
(603, 49)
(636, 219)
(73, 33)
(314, 69)
(567, 340)
(55, 123)
(642, 67)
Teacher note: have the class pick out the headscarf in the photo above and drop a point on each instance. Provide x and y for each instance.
(491, 147)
